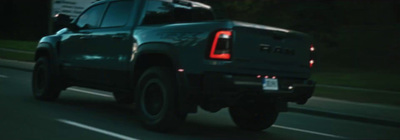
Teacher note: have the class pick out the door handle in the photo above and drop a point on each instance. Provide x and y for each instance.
(118, 36)
(85, 37)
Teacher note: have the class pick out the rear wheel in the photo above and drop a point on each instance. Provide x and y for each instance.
(44, 81)
(157, 100)
(253, 116)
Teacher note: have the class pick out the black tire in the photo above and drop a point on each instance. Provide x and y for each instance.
(157, 94)
(44, 81)
(123, 98)
(252, 116)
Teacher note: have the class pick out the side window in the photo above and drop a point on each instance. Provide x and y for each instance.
(91, 18)
(161, 12)
(201, 14)
(183, 15)
(117, 14)
(158, 12)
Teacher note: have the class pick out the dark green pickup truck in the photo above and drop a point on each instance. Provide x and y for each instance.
(170, 57)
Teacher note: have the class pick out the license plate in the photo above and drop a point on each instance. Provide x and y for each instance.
(270, 84)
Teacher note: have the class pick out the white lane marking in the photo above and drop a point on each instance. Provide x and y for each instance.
(89, 92)
(308, 131)
(109, 133)
(358, 89)
(3, 76)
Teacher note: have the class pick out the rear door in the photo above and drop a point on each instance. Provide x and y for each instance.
(113, 42)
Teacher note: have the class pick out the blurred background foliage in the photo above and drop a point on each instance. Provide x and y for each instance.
(24, 19)
(349, 34)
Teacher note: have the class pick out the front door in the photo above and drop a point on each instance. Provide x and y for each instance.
(99, 52)
(77, 43)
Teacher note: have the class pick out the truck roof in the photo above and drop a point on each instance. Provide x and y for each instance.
(189, 3)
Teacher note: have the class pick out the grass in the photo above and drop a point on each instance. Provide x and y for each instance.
(366, 80)
(18, 45)
(369, 80)
(16, 56)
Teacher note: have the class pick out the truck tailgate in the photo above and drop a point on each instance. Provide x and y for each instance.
(270, 49)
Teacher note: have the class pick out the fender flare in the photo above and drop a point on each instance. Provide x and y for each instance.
(159, 48)
(48, 47)
(172, 53)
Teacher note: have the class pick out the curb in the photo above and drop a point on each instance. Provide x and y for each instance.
(28, 66)
(19, 65)
(16, 68)
(17, 51)
(344, 116)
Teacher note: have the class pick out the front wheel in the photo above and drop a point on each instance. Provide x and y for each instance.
(252, 116)
(157, 91)
(44, 81)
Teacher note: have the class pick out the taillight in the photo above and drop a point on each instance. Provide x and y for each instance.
(312, 51)
(311, 63)
(221, 45)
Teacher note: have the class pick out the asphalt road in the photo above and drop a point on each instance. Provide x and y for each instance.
(89, 114)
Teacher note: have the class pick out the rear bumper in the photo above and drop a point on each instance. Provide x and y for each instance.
(230, 88)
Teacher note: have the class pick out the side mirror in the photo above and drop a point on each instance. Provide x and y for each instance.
(63, 20)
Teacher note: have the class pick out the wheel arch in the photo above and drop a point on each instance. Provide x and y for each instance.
(163, 55)
(43, 50)
(48, 46)
(154, 54)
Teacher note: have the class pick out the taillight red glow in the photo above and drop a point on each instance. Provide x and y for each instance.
(181, 70)
(312, 48)
(266, 76)
(273, 77)
(225, 54)
(312, 55)
(311, 63)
